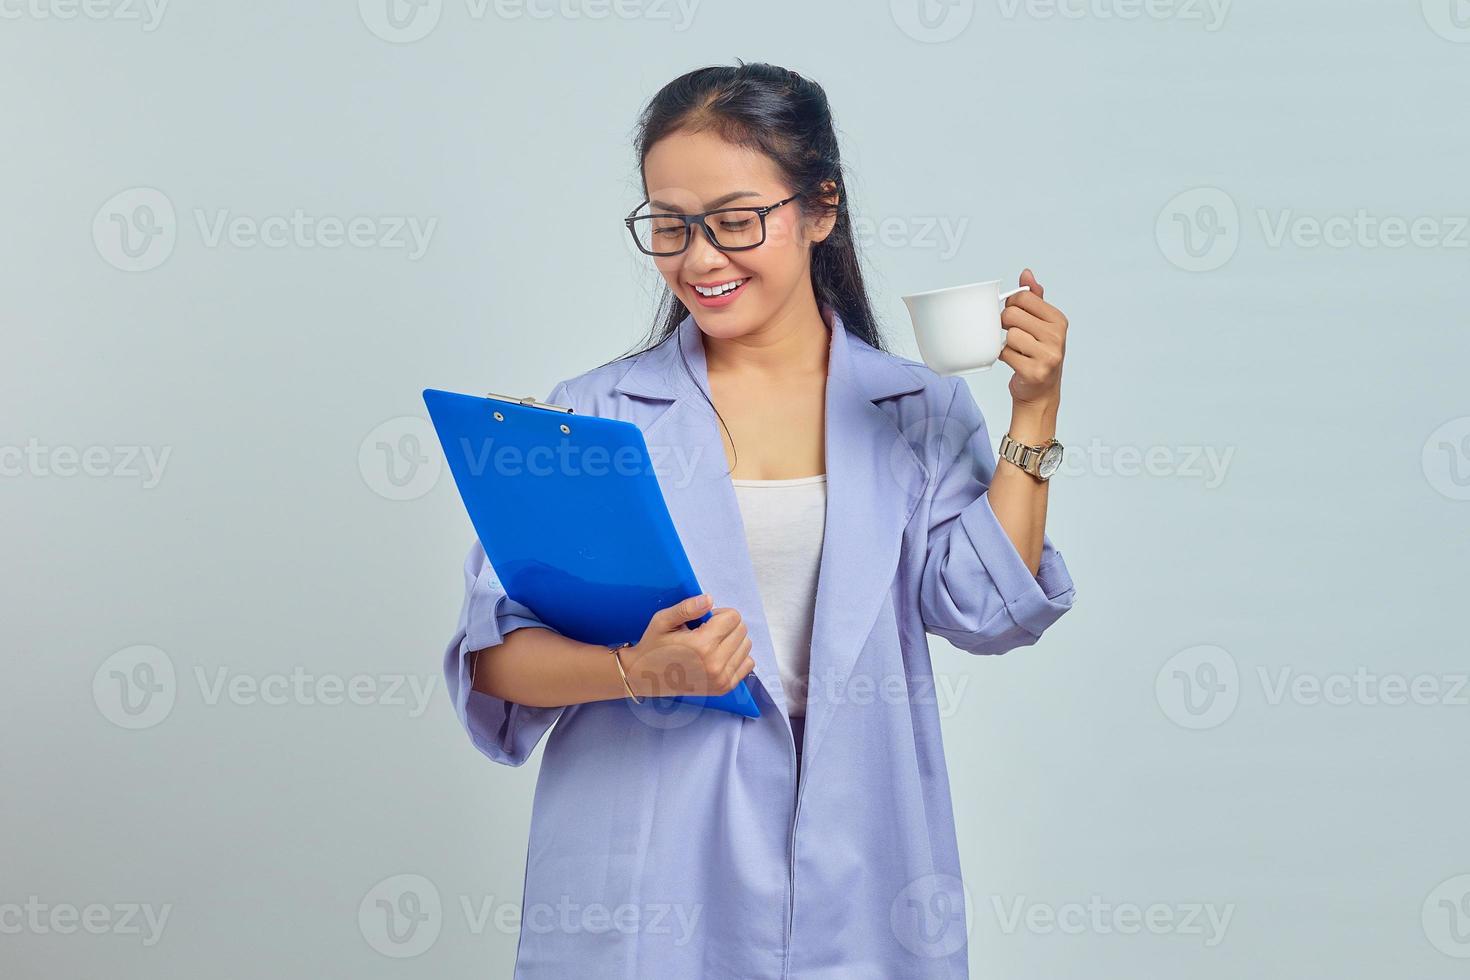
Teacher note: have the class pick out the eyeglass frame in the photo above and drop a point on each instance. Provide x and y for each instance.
(699, 219)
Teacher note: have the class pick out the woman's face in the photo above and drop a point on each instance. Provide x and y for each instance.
(690, 173)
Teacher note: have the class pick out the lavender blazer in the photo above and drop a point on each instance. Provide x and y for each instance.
(676, 843)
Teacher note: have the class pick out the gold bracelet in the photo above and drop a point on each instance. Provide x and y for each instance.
(618, 657)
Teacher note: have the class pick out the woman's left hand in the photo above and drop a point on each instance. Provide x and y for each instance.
(1036, 341)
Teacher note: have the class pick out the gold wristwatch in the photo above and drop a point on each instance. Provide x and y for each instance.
(1040, 461)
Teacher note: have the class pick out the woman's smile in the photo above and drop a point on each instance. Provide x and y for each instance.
(717, 293)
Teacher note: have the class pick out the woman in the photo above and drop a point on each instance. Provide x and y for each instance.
(817, 840)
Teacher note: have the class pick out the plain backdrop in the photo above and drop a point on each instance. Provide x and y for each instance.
(232, 560)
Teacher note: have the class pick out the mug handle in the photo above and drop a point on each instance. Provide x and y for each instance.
(1019, 289)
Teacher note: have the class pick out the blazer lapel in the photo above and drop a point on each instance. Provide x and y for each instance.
(874, 483)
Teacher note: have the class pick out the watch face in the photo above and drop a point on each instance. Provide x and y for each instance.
(1050, 460)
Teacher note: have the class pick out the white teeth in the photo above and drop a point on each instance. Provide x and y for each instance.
(719, 290)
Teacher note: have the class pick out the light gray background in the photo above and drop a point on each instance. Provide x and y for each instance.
(1092, 770)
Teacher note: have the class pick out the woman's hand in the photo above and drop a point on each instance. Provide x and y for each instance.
(1036, 341)
(672, 659)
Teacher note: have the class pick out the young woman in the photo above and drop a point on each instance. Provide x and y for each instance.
(838, 503)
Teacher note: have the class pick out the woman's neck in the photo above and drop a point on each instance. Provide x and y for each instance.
(790, 344)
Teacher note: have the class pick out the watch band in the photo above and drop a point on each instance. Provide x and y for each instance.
(1028, 458)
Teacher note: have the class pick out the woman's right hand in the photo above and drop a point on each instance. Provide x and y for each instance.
(672, 659)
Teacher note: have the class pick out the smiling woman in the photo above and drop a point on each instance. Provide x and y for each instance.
(865, 512)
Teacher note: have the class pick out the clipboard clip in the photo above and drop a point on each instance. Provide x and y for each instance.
(529, 402)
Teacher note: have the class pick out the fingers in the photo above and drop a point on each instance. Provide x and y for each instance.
(1019, 320)
(1018, 341)
(731, 657)
(723, 621)
(1036, 306)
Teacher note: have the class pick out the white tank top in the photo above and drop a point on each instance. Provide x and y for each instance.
(784, 524)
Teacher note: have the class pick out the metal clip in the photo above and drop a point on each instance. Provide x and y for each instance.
(529, 401)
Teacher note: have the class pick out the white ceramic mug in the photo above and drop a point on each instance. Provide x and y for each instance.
(958, 327)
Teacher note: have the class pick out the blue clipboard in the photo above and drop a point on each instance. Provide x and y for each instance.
(571, 517)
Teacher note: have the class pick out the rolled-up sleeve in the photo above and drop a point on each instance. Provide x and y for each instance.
(976, 590)
(503, 730)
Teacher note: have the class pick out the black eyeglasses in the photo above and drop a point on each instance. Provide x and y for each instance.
(733, 230)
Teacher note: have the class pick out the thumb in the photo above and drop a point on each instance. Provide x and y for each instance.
(681, 612)
(1028, 278)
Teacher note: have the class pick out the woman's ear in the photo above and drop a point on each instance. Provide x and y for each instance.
(822, 226)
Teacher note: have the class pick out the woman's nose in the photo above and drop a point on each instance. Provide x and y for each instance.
(702, 254)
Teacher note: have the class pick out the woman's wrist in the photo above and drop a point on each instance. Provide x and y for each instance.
(1034, 423)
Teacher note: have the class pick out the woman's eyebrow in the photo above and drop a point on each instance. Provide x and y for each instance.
(717, 202)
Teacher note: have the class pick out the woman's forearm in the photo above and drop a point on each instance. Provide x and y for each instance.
(540, 668)
(1017, 498)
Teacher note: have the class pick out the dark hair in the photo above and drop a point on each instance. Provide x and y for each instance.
(787, 117)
